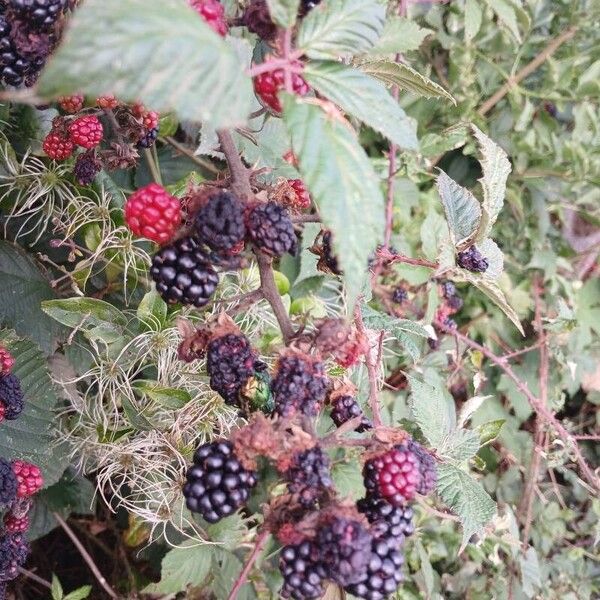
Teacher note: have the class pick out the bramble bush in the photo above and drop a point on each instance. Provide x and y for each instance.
(299, 299)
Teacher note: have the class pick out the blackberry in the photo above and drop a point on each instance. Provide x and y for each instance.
(271, 229)
(329, 259)
(455, 303)
(39, 14)
(309, 475)
(387, 521)
(87, 166)
(399, 295)
(427, 467)
(394, 475)
(230, 363)
(450, 323)
(148, 138)
(302, 575)
(257, 19)
(307, 5)
(220, 223)
(14, 550)
(8, 483)
(11, 396)
(183, 274)
(346, 408)
(472, 260)
(217, 483)
(448, 290)
(345, 550)
(299, 385)
(383, 574)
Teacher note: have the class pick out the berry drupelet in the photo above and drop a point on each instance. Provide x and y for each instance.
(39, 14)
(268, 85)
(7, 362)
(303, 577)
(213, 13)
(427, 467)
(29, 478)
(383, 574)
(308, 476)
(14, 550)
(394, 476)
(387, 521)
(271, 229)
(182, 273)
(11, 396)
(86, 132)
(230, 362)
(8, 484)
(399, 295)
(299, 386)
(345, 408)
(152, 212)
(472, 260)
(217, 483)
(345, 549)
(220, 222)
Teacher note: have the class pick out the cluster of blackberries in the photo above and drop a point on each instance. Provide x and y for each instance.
(472, 260)
(451, 304)
(217, 483)
(29, 31)
(19, 481)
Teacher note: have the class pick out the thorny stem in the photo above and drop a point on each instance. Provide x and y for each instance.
(240, 178)
(540, 408)
(287, 52)
(527, 70)
(371, 365)
(85, 555)
(387, 255)
(205, 164)
(277, 63)
(259, 544)
(31, 575)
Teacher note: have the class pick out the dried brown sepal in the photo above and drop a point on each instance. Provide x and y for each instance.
(341, 387)
(195, 341)
(284, 194)
(119, 156)
(340, 340)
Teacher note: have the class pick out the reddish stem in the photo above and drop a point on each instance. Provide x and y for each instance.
(243, 576)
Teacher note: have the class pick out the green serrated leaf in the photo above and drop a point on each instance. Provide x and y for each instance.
(341, 27)
(531, 576)
(80, 593)
(172, 398)
(406, 78)
(188, 564)
(56, 589)
(227, 567)
(364, 98)
(466, 498)
(507, 15)
(462, 209)
(495, 257)
(461, 445)
(283, 12)
(22, 288)
(496, 168)
(160, 53)
(489, 431)
(342, 183)
(33, 436)
(152, 308)
(399, 35)
(347, 478)
(473, 19)
(433, 412)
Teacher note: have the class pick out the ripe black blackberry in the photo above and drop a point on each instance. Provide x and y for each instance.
(448, 289)
(271, 229)
(345, 408)
(472, 260)
(309, 476)
(183, 274)
(11, 396)
(217, 483)
(87, 166)
(345, 549)
(299, 386)
(8, 484)
(230, 362)
(40, 15)
(148, 138)
(14, 550)
(302, 575)
(383, 574)
(257, 19)
(427, 467)
(387, 521)
(399, 295)
(220, 222)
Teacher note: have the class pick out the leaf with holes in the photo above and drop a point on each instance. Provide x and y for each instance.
(467, 499)
(341, 27)
(406, 78)
(343, 185)
(365, 98)
(160, 53)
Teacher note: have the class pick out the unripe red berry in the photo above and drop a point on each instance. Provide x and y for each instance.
(268, 85)
(6, 361)
(15, 524)
(150, 120)
(58, 147)
(153, 213)
(108, 102)
(213, 13)
(71, 104)
(29, 478)
(86, 132)
(302, 200)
